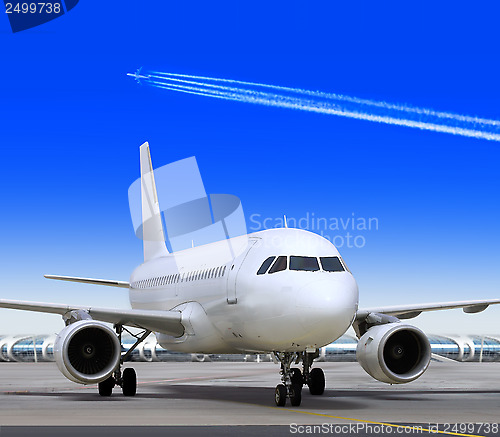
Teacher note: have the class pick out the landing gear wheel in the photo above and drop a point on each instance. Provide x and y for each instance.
(296, 394)
(297, 377)
(106, 386)
(129, 382)
(316, 381)
(280, 395)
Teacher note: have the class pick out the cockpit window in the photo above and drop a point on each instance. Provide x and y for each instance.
(265, 265)
(307, 263)
(279, 265)
(331, 264)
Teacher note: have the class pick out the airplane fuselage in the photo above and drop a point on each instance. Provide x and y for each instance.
(228, 307)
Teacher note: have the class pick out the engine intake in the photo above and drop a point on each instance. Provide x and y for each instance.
(395, 353)
(87, 351)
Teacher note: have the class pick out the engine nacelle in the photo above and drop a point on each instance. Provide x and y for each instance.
(87, 351)
(395, 353)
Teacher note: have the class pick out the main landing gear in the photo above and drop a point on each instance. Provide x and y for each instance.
(294, 379)
(127, 379)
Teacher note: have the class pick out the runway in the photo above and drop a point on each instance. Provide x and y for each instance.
(222, 394)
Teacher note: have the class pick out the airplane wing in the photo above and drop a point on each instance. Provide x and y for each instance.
(411, 311)
(108, 282)
(168, 322)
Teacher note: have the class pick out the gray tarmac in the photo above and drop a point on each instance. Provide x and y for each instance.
(221, 394)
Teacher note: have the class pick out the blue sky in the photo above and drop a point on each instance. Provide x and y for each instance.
(72, 123)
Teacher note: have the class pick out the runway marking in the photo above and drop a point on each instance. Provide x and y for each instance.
(431, 431)
(158, 381)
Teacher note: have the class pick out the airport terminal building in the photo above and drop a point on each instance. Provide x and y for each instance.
(29, 348)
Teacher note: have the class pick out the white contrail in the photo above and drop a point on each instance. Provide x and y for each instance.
(323, 107)
(188, 90)
(340, 97)
(208, 85)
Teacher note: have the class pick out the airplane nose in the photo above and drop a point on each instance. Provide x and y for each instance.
(327, 304)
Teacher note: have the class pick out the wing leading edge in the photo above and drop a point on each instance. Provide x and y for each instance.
(108, 282)
(411, 311)
(168, 322)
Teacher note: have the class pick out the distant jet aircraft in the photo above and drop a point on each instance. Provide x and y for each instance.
(288, 292)
(138, 76)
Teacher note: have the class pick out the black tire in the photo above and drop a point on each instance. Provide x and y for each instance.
(280, 395)
(297, 377)
(106, 386)
(129, 382)
(316, 382)
(296, 395)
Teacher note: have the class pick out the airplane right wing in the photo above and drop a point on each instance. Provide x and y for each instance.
(411, 311)
(168, 322)
(367, 317)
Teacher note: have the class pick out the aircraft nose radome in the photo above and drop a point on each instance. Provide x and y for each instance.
(328, 303)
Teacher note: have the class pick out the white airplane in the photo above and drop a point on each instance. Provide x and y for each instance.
(138, 76)
(282, 291)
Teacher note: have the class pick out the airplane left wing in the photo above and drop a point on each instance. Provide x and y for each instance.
(411, 311)
(108, 282)
(168, 322)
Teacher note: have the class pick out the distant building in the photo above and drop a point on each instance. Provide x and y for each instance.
(27, 348)
(19, 348)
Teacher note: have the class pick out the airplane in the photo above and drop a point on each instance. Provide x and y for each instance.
(285, 291)
(138, 76)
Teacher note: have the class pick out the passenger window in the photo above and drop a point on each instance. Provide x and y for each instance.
(265, 265)
(279, 265)
(308, 263)
(331, 264)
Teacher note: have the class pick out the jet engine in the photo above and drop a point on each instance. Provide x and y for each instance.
(395, 353)
(87, 351)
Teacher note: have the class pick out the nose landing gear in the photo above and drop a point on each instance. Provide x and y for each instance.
(294, 379)
(291, 386)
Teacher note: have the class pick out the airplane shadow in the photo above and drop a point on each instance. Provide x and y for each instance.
(257, 396)
(335, 400)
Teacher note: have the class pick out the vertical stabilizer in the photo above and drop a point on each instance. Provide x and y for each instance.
(152, 229)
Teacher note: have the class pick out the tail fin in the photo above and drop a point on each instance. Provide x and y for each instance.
(152, 228)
